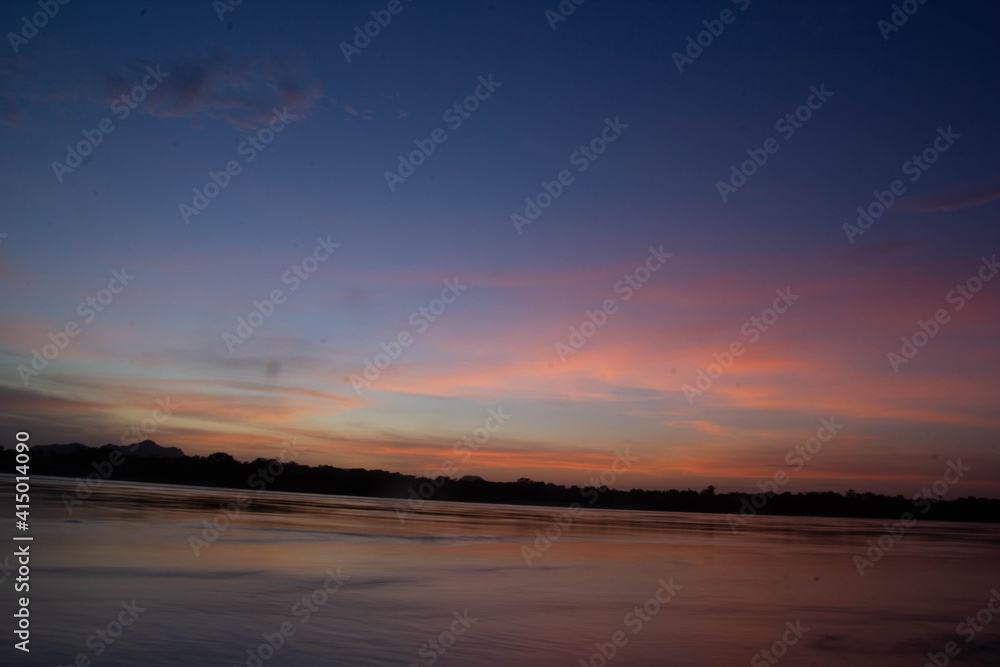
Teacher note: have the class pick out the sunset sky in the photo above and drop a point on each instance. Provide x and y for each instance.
(609, 67)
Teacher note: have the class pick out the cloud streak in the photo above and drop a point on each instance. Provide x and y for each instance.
(242, 91)
(954, 199)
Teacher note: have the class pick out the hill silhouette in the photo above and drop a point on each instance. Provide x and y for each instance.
(149, 462)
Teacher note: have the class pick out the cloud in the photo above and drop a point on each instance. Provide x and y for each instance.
(17, 401)
(954, 199)
(242, 91)
(827, 354)
(366, 114)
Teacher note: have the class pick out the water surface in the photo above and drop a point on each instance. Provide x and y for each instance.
(403, 581)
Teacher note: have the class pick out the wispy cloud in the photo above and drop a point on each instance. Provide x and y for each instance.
(221, 84)
(242, 91)
(954, 199)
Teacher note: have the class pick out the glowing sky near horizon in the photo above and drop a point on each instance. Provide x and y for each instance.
(495, 345)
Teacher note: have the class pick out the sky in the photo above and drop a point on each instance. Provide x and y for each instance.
(594, 209)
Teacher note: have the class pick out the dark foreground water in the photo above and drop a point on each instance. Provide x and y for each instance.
(350, 583)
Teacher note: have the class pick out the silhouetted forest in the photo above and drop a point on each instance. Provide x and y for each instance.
(151, 463)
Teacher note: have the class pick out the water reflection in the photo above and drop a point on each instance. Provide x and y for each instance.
(408, 578)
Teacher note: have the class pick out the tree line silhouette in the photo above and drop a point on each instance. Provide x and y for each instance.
(223, 470)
